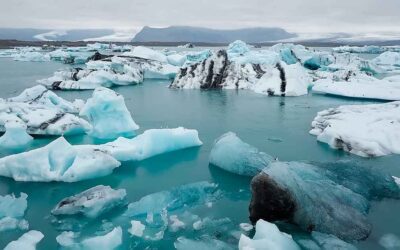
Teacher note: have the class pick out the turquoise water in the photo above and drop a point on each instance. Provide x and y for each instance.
(278, 126)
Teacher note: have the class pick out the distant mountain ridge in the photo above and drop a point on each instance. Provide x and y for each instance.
(197, 34)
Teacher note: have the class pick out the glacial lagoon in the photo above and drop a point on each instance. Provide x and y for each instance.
(278, 126)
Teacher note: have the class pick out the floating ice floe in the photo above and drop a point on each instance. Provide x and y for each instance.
(92, 202)
(12, 210)
(368, 49)
(58, 161)
(137, 228)
(365, 130)
(109, 241)
(267, 237)
(15, 137)
(186, 195)
(233, 155)
(27, 241)
(152, 142)
(331, 198)
(61, 161)
(360, 86)
(108, 115)
(32, 56)
(146, 53)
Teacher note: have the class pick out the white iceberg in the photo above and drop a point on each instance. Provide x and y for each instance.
(283, 80)
(365, 130)
(152, 142)
(108, 115)
(388, 58)
(28, 241)
(15, 136)
(11, 206)
(32, 56)
(92, 202)
(176, 59)
(58, 161)
(237, 47)
(233, 155)
(146, 53)
(267, 237)
(9, 223)
(39, 95)
(109, 241)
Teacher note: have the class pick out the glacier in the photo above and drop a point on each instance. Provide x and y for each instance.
(92, 202)
(329, 198)
(365, 130)
(267, 237)
(104, 106)
(27, 241)
(109, 241)
(230, 153)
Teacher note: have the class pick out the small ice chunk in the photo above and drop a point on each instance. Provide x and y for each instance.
(9, 223)
(137, 228)
(175, 224)
(232, 154)
(92, 202)
(109, 241)
(108, 115)
(11, 206)
(246, 227)
(15, 136)
(28, 241)
(268, 237)
(390, 242)
(147, 53)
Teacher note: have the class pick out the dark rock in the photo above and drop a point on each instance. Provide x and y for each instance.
(269, 201)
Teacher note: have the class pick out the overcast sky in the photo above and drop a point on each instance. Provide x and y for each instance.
(293, 15)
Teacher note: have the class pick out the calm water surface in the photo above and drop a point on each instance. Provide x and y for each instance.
(278, 126)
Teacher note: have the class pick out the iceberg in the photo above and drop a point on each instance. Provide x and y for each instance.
(58, 161)
(108, 115)
(15, 137)
(283, 80)
(12, 209)
(360, 86)
(39, 95)
(28, 241)
(365, 130)
(146, 53)
(367, 49)
(9, 223)
(137, 228)
(176, 59)
(31, 56)
(232, 154)
(237, 48)
(152, 142)
(267, 237)
(186, 195)
(92, 202)
(331, 198)
(388, 58)
(109, 241)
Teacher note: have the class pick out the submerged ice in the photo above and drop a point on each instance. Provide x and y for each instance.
(92, 202)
